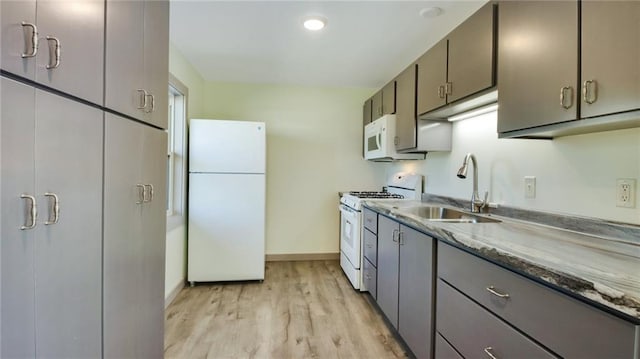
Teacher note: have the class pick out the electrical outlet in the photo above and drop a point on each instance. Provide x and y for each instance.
(626, 192)
(529, 187)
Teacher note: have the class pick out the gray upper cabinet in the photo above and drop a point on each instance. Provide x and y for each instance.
(610, 57)
(366, 112)
(50, 308)
(389, 98)
(471, 55)
(432, 77)
(134, 231)
(67, 38)
(133, 87)
(538, 63)
(460, 65)
(376, 105)
(406, 122)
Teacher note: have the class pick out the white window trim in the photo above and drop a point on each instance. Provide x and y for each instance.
(178, 135)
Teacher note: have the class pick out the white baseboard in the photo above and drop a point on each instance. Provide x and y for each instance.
(302, 257)
(173, 294)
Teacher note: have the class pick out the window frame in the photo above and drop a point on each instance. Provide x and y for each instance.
(177, 154)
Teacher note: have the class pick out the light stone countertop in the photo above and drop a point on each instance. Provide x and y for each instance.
(598, 270)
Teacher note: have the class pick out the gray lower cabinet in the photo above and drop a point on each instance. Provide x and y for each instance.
(405, 283)
(51, 256)
(610, 84)
(370, 275)
(134, 235)
(566, 326)
(76, 28)
(538, 59)
(444, 350)
(476, 333)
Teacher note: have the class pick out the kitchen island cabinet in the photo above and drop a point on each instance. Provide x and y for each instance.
(405, 283)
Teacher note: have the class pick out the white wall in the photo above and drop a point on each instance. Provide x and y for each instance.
(313, 151)
(175, 263)
(574, 175)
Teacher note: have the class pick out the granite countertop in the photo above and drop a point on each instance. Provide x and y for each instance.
(599, 270)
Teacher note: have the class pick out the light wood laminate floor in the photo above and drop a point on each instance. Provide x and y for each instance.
(301, 310)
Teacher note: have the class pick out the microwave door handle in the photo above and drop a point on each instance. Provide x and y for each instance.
(378, 140)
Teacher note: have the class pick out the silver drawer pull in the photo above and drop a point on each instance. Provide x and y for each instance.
(144, 193)
(441, 91)
(34, 40)
(33, 211)
(563, 97)
(143, 99)
(369, 245)
(56, 209)
(491, 289)
(449, 88)
(395, 235)
(54, 54)
(141, 193)
(590, 91)
(153, 103)
(487, 351)
(368, 276)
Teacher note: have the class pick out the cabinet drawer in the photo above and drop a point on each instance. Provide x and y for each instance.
(444, 350)
(371, 247)
(370, 220)
(552, 318)
(370, 278)
(475, 332)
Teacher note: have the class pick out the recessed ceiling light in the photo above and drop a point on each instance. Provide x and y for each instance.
(314, 23)
(430, 12)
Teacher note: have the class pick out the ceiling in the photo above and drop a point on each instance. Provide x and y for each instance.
(365, 43)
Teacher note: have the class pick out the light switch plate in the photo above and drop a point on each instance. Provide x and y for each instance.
(529, 187)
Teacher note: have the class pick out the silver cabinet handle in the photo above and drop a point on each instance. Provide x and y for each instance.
(141, 193)
(143, 96)
(33, 210)
(153, 103)
(394, 234)
(401, 238)
(144, 193)
(487, 351)
(441, 91)
(563, 97)
(34, 40)
(56, 208)
(590, 91)
(491, 289)
(367, 276)
(369, 245)
(449, 88)
(54, 54)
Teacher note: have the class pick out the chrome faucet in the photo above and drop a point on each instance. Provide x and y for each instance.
(476, 203)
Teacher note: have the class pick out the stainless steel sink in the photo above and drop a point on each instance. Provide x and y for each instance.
(443, 214)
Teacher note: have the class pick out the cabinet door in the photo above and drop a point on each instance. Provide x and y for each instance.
(376, 106)
(16, 38)
(387, 296)
(17, 123)
(68, 269)
(124, 63)
(156, 60)
(366, 112)
(415, 299)
(79, 27)
(470, 61)
(389, 98)
(432, 76)
(123, 282)
(154, 214)
(610, 57)
(538, 59)
(406, 133)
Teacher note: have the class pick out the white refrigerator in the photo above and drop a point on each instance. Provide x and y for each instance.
(226, 240)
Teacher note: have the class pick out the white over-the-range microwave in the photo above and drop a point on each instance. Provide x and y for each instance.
(379, 141)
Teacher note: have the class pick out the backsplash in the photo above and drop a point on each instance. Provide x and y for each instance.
(575, 175)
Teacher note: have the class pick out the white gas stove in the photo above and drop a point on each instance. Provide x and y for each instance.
(401, 186)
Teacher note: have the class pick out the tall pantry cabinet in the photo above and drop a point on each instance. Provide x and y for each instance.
(82, 183)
